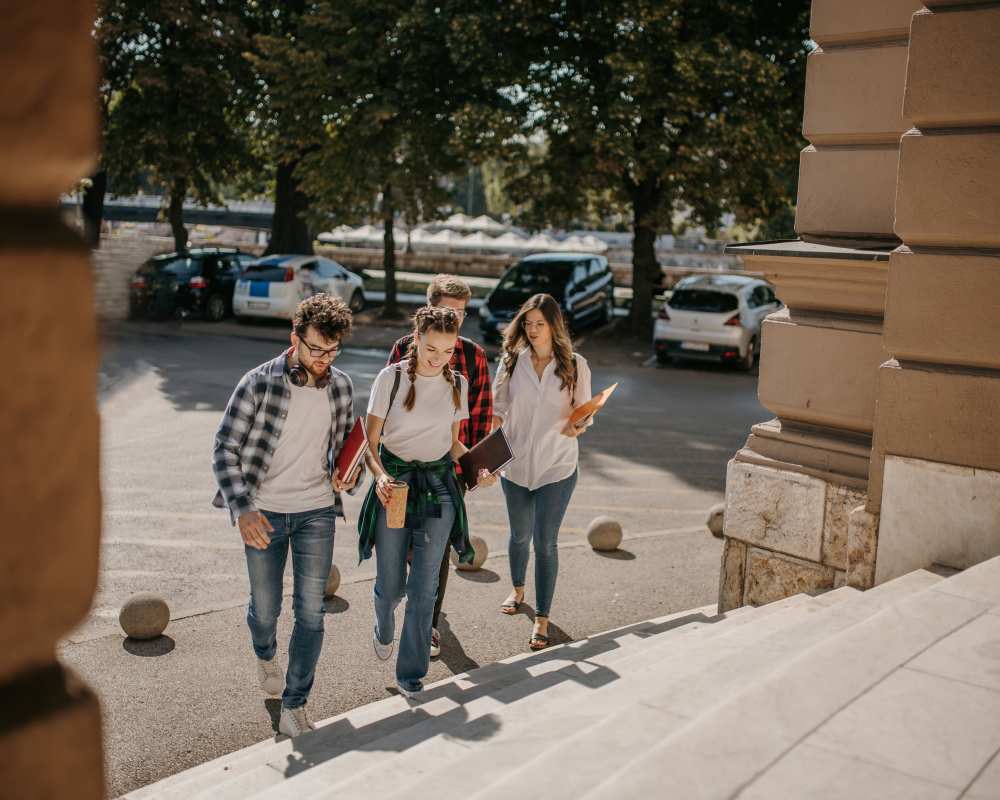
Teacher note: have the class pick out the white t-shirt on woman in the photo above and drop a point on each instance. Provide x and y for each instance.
(534, 411)
(423, 433)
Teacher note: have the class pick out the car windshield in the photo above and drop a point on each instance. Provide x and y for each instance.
(532, 277)
(175, 266)
(703, 300)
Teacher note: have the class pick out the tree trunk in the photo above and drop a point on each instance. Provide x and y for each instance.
(289, 228)
(646, 275)
(93, 208)
(390, 310)
(175, 214)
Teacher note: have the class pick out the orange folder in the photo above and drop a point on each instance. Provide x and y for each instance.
(592, 406)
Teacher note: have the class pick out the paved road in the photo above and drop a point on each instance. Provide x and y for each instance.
(655, 461)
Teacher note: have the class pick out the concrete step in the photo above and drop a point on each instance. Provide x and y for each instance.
(554, 696)
(337, 761)
(731, 745)
(627, 719)
(378, 719)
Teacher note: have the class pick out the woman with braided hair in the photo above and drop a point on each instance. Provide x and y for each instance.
(414, 414)
(539, 382)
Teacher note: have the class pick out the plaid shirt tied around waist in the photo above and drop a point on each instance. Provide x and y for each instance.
(252, 424)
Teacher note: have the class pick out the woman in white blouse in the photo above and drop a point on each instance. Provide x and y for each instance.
(538, 384)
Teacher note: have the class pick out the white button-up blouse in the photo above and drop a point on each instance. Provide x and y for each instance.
(534, 412)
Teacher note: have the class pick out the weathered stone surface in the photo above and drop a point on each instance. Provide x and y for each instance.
(862, 541)
(840, 501)
(482, 551)
(604, 534)
(951, 80)
(48, 79)
(731, 577)
(144, 616)
(716, 521)
(935, 513)
(51, 738)
(854, 95)
(866, 174)
(49, 478)
(775, 509)
(771, 577)
(333, 582)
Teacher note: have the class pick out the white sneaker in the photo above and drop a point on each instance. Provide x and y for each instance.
(294, 722)
(435, 643)
(409, 694)
(271, 676)
(382, 651)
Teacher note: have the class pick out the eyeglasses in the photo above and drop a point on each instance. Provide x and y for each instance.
(319, 352)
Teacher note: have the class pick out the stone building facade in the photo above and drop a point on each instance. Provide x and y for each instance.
(883, 372)
(50, 726)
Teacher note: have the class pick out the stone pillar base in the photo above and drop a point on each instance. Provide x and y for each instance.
(786, 532)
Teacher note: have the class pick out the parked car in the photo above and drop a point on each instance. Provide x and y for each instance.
(714, 317)
(274, 286)
(199, 282)
(582, 283)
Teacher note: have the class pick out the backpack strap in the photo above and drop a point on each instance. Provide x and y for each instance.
(469, 351)
(393, 393)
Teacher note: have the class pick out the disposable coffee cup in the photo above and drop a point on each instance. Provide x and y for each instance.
(395, 512)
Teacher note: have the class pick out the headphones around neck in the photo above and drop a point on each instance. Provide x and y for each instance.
(298, 374)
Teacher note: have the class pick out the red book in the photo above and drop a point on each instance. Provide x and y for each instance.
(354, 449)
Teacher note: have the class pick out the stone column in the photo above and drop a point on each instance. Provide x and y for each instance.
(794, 490)
(50, 733)
(936, 463)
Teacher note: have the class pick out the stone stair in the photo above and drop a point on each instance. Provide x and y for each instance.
(846, 694)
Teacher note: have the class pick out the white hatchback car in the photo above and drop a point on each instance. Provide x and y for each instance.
(275, 285)
(714, 317)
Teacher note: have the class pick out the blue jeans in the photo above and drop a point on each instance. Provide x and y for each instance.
(536, 515)
(310, 534)
(429, 543)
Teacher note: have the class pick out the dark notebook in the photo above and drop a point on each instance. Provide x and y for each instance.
(492, 453)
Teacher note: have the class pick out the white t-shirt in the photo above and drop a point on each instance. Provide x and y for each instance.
(297, 479)
(423, 433)
(534, 412)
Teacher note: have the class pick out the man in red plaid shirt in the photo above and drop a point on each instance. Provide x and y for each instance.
(469, 360)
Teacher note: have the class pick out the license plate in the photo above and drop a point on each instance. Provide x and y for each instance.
(702, 346)
(259, 306)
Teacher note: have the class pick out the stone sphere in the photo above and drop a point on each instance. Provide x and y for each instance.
(333, 582)
(479, 545)
(716, 519)
(604, 534)
(144, 616)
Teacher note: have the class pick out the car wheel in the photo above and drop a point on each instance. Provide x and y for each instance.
(609, 309)
(215, 308)
(357, 302)
(664, 359)
(748, 361)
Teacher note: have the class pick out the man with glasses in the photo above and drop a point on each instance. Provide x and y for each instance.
(274, 459)
(450, 291)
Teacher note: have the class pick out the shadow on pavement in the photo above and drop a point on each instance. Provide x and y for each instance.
(481, 575)
(618, 555)
(150, 648)
(453, 655)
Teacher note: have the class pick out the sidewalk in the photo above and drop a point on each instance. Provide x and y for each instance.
(190, 695)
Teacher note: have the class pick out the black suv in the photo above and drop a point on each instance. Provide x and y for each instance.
(581, 283)
(199, 282)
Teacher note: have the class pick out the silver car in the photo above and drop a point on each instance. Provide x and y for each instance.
(716, 318)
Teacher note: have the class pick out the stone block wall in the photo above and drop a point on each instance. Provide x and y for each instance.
(50, 728)
(935, 478)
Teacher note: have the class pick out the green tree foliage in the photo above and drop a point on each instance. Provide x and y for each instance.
(380, 101)
(652, 106)
(175, 97)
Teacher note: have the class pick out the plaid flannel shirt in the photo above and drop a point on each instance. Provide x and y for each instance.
(477, 427)
(251, 426)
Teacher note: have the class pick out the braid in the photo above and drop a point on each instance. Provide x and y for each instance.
(411, 373)
(456, 394)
